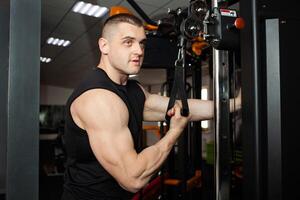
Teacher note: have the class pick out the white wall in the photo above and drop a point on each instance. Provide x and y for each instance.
(52, 95)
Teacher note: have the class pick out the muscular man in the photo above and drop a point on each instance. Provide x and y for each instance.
(104, 120)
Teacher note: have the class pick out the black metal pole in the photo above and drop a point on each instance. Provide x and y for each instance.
(251, 129)
(20, 97)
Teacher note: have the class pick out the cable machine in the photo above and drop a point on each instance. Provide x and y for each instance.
(217, 27)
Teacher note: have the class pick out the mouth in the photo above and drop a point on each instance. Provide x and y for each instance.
(136, 61)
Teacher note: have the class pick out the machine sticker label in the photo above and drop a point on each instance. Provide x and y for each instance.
(229, 13)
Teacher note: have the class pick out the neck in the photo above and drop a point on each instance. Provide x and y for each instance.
(114, 74)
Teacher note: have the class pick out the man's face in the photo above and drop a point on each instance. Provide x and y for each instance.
(126, 48)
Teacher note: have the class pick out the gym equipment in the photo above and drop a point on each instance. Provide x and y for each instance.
(179, 83)
(198, 28)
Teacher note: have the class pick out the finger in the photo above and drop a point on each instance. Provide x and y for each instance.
(177, 110)
(171, 112)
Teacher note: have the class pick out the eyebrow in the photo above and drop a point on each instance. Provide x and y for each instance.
(133, 38)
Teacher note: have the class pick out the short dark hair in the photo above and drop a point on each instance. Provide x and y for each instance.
(123, 17)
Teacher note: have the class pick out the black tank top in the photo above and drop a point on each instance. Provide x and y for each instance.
(85, 178)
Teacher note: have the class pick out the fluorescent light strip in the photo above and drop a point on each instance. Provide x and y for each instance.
(58, 42)
(50, 40)
(45, 60)
(55, 41)
(101, 12)
(93, 10)
(85, 8)
(78, 6)
(89, 9)
(48, 60)
(66, 43)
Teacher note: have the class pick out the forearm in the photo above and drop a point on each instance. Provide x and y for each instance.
(150, 159)
(201, 109)
(204, 109)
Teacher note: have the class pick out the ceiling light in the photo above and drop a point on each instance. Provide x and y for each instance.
(45, 60)
(50, 40)
(55, 41)
(89, 9)
(93, 10)
(85, 8)
(78, 6)
(48, 60)
(58, 42)
(66, 43)
(102, 11)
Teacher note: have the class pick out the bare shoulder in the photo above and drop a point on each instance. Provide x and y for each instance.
(98, 107)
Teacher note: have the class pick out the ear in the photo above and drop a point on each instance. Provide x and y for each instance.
(103, 45)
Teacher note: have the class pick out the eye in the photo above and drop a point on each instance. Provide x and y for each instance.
(128, 42)
(143, 44)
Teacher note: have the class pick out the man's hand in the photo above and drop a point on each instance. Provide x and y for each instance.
(177, 122)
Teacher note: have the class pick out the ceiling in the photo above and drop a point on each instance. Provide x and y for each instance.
(69, 64)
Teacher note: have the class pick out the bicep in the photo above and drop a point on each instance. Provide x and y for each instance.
(113, 148)
(105, 118)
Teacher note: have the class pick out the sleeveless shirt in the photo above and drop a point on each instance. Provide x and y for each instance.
(85, 178)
